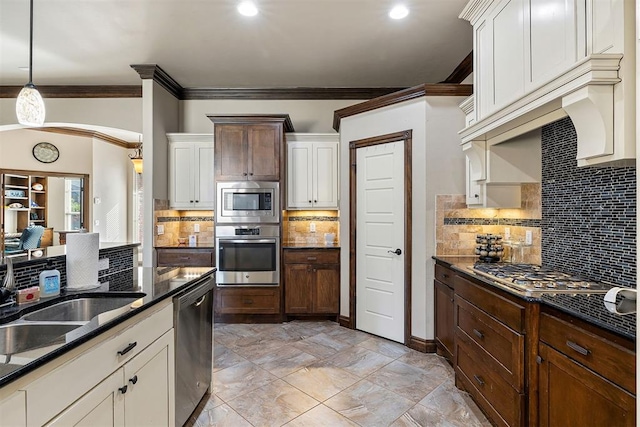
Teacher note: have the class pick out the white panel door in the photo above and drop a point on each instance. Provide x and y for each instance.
(325, 175)
(181, 175)
(204, 190)
(299, 164)
(380, 231)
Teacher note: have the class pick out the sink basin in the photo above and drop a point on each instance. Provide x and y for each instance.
(17, 338)
(78, 310)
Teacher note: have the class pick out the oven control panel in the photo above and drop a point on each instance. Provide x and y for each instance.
(247, 231)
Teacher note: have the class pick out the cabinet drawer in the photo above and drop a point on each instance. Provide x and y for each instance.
(597, 353)
(76, 377)
(503, 309)
(504, 347)
(500, 401)
(444, 275)
(248, 300)
(301, 256)
(185, 257)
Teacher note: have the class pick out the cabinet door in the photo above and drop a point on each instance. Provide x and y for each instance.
(474, 189)
(13, 410)
(327, 288)
(555, 45)
(181, 175)
(149, 400)
(508, 37)
(230, 152)
(594, 401)
(325, 175)
(204, 187)
(444, 318)
(264, 152)
(483, 68)
(102, 406)
(298, 288)
(299, 167)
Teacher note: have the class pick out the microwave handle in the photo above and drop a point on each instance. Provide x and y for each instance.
(247, 241)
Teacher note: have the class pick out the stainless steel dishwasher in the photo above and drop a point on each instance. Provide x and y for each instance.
(193, 320)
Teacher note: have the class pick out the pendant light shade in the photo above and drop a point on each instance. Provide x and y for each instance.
(29, 105)
(136, 159)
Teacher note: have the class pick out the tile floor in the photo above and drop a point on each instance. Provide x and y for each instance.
(320, 374)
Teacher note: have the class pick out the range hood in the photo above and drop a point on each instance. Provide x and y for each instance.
(591, 94)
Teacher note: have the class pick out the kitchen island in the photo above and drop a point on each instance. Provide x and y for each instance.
(543, 359)
(126, 354)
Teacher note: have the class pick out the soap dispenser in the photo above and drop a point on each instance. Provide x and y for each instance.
(49, 281)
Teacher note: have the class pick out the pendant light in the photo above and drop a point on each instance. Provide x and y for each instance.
(29, 105)
(136, 159)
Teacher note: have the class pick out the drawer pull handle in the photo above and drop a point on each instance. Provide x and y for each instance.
(128, 348)
(479, 380)
(123, 389)
(478, 333)
(311, 258)
(583, 351)
(248, 301)
(446, 276)
(134, 379)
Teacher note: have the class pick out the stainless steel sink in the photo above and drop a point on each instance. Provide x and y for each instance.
(16, 338)
(78, 310)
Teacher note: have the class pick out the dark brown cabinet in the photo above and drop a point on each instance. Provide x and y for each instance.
(247, 300)
(312, 281)
(185, 257)
(594, 374)
(249, 148)
(444, 312)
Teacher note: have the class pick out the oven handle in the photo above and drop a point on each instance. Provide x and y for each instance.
(221, 240)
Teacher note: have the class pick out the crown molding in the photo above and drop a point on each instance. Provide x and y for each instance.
(302, 93)
(158, 75)
(91, 91)
(253, 118)
(437, 89)
(88, 134)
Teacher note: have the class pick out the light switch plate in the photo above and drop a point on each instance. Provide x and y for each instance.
(160, 230)
(528, 237)
(312, 227)
(196, 228)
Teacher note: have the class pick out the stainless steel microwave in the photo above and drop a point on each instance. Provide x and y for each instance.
(248, 202)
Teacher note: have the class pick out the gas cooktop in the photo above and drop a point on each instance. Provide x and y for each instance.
(533, 279)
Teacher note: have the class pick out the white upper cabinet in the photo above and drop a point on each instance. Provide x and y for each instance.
(312, 171)
(536, 61)
(191, 171)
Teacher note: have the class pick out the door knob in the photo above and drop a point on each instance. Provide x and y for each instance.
(397, 251)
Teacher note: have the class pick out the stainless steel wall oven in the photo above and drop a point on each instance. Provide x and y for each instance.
(248, 255)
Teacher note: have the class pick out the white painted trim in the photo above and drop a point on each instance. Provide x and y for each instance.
(190, 137)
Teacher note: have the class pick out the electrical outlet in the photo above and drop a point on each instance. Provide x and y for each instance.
(312, 227)
(96, 200)
(196, 228)
(528, 237)
(96, 222)
(507, 233)
(160, 230)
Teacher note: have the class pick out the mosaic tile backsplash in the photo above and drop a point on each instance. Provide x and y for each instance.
(296, 226)
(181, 224)
(588, 213)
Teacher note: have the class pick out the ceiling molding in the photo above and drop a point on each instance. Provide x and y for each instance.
(437, 89)
(158, 75)
(462, 71)
(253, 118)
(113, 91)
(88, 134)
(303, 93)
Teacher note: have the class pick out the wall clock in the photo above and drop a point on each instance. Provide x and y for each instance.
(45, 152)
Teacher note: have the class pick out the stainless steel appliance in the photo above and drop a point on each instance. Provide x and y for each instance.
(247, 202)
(193, 320)
(531, 279)
(248, 255)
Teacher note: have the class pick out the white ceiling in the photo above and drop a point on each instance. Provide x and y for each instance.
(206, 43)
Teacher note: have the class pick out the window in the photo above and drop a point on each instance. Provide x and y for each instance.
(73, 203)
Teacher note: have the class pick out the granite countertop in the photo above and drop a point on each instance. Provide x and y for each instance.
(588, 307)
(187, 246)
(308, 245)
(157, 283)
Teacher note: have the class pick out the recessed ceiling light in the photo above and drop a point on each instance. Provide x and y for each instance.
(398, 12)
(247, 8)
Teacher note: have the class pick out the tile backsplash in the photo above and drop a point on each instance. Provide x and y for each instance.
(588, 213)
(296, 226)
(457, 225)
(181, 224)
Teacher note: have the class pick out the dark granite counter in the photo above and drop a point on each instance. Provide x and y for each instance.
(588, 307)
(150, 285)
(307, 245)
(58, 251)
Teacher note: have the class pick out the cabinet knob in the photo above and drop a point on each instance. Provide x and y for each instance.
(244, 174)
(134, 379)
(197, 201)
(477, 196)
(315, 201)
(309, 201)
(251, 173)
(123, 389)
(190, 201)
